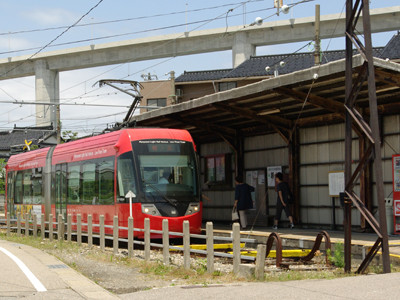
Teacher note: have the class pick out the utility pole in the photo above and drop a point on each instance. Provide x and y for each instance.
(317, 40)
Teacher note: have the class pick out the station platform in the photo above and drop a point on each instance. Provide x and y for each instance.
(299, 238)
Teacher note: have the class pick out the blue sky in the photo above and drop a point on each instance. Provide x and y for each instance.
(26, 26)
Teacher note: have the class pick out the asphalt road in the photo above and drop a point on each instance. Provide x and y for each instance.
(384, 286)
(27, 272)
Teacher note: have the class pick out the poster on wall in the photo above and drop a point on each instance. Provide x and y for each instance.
(336, 183)
(271, 171)
(396, 173)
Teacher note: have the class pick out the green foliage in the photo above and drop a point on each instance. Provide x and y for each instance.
(338, 256)
(2, 175)
(69, 135)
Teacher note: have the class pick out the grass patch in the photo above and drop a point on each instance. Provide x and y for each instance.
(157, 270)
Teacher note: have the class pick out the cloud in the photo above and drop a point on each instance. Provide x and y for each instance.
(50, 16)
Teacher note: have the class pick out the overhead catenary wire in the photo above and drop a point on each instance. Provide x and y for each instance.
(172, 58)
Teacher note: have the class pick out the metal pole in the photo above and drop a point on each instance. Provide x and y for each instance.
(374, 124)
(317, 50)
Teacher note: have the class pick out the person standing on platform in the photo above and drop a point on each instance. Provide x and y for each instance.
(243, 200)
(283, 201)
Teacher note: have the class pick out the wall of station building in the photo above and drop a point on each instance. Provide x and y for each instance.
(321, 152)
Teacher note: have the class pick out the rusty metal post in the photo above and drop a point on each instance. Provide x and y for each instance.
(374, 123)
(347, 235)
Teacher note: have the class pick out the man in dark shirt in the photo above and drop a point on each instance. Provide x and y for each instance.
(243, 200)
(282, 202)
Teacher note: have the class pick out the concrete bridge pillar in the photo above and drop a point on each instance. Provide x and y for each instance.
(242, 48)
(47, 89)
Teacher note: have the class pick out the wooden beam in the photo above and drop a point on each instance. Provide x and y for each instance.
(322, 102)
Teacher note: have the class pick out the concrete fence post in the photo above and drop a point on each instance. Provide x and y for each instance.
(260, 262)
(8, 224)
(130, 237)
(42, 226)
(210, 247)
(79, 229)
(90, 230)
(69, 227)
(102, 234)
(60, 228)
(186, 245)
(165, 241)
(51, 227)
(147, 239)
(26, 224)
(35, 225)
(18, 224)
(236, 247)
(115, 235)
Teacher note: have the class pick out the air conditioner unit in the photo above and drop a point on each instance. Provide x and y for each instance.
(179, 92)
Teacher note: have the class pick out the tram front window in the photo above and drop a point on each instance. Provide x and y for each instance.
(167, 169)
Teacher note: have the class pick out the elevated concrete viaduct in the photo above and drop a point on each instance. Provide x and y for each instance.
(242, 42)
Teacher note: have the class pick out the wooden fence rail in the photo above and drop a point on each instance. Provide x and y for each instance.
(64, 230)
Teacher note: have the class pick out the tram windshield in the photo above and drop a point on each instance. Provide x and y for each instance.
(167, 170)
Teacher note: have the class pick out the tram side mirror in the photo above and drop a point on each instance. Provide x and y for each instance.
(122, 199)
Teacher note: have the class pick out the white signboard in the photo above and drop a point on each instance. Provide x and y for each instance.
(271, 171)
(336, 183)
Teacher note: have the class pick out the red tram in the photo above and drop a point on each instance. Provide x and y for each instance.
(157, 167)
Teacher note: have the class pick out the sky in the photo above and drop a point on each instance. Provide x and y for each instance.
(28, 27)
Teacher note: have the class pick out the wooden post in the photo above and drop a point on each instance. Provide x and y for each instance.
(210, 247)
(260, 262)
(79, 229)
(147, 239)
(8, 224)
(42, 227)
(102, 234)
(35, 225)
(236, 247)
(26, 224)
(69, 227)
(130, 237)
(186, 245)
(115, 235)
(60, 228)
(51, 227)
(90, 230)
(18, 224)
(165, 240)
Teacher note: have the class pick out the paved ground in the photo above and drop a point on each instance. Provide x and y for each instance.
(27, 272)
(360, 287)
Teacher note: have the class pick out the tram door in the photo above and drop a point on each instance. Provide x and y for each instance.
(61, 190)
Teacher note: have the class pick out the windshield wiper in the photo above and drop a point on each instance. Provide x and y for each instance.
(169, 200)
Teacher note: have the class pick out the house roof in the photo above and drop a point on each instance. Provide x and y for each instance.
(202, 75)
(255, 66)
(18, 135)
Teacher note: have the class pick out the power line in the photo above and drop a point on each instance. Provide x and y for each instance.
(121, 20)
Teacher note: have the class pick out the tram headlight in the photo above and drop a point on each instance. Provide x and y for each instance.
(193, 207)
(150, 209)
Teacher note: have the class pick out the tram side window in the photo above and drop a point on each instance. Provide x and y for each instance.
(73, 184)
(37, 190)
(10, 177)
(18, 188)
(106, 181)
(89, 195)
(27, 183)
(126, 175)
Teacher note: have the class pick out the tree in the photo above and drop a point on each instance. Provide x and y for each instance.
(69, 135)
